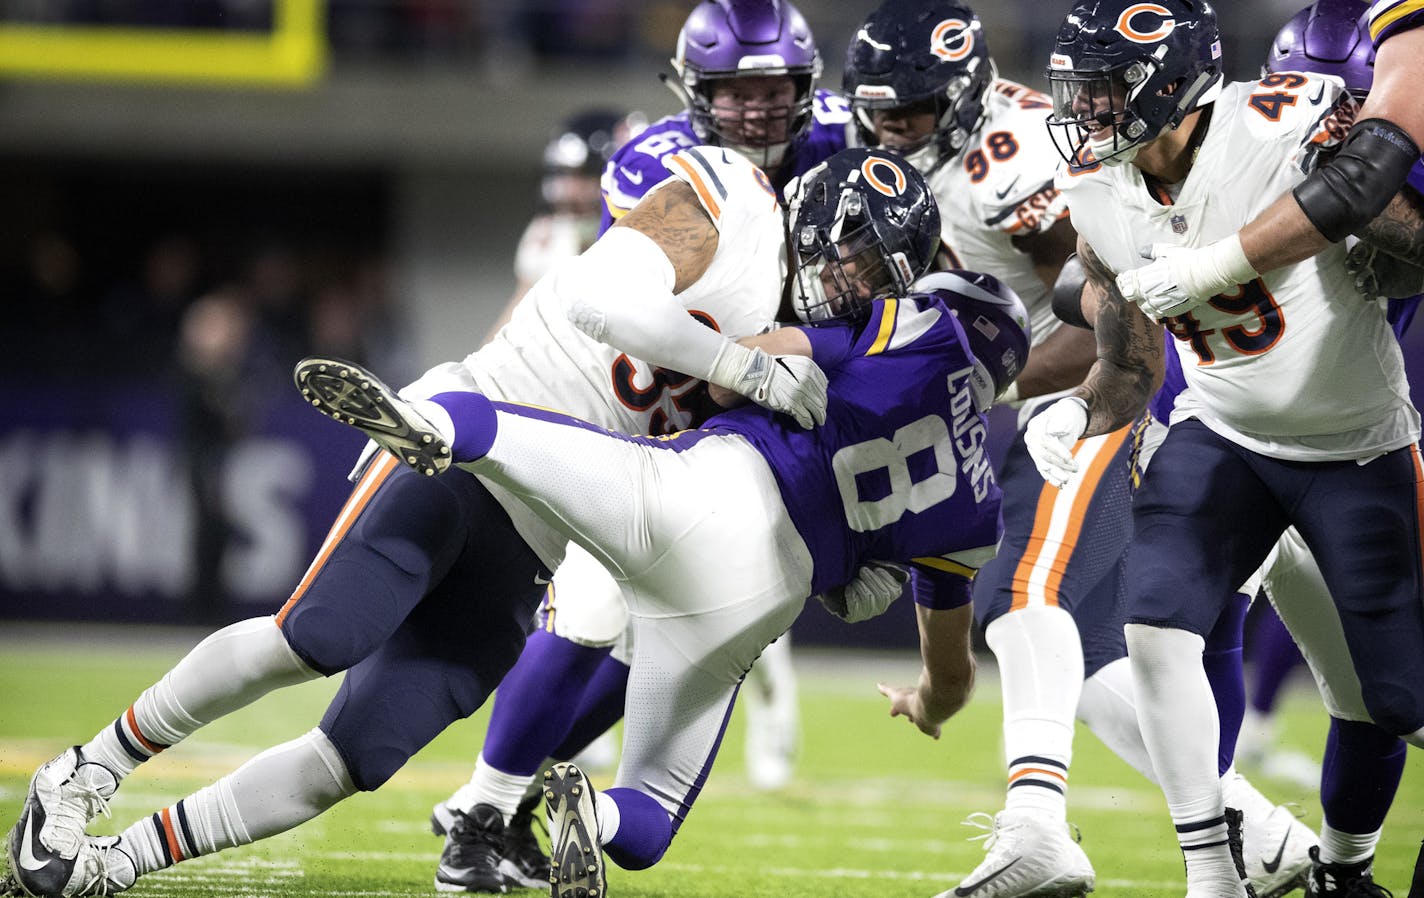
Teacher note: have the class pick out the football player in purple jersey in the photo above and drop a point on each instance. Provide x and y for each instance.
(718, 534)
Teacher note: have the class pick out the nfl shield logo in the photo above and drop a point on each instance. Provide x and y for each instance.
(1179, 224)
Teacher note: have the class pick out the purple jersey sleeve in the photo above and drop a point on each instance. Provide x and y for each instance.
(1389, 17)
(942, 590)
(899, 472)
(637, 166)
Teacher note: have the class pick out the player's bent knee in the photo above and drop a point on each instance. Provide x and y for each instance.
(1397, 711)
(333, 636)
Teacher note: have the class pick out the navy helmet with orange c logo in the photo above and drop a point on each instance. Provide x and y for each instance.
(1123, 71)
(913, 52)
(863, 225)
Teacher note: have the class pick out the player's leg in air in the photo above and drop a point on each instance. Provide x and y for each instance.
(1363, 762)
(698, 623)
(395, 542)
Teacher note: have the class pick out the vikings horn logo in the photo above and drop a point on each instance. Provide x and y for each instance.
(952, 39)
(883, 175)
(1132, 31)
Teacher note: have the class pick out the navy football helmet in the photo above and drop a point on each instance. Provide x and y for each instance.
(913, 52)
(1329, 37)
(994, 321)
(863, 225)
(725, 39)
(1123, 71)
(575, 156)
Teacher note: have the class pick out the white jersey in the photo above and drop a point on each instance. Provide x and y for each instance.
(1294, 365)
(1000, 187)
(541, 358)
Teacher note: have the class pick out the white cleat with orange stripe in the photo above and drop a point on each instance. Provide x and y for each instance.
(64, 795)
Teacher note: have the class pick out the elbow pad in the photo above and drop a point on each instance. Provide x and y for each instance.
(1349, 191)
(1068, 293)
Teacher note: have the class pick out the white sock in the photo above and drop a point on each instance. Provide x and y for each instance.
(609, 817)
(1338, 847)
(230, 669)
(1109, 707)
(491, 786)
(1178, 717)
(1040, 659)
(282, 787)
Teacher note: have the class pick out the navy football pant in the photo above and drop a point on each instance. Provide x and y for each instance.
(424, 593)
(1209, 511)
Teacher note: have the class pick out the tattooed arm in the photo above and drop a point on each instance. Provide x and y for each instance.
(1399, 229)
(674, 220)
(1130, 365)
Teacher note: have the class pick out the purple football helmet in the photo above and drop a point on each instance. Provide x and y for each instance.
(744, 39)
(1328, 37)
(995, 323)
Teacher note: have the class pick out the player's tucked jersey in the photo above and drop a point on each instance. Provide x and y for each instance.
(1387, 17)
(638, 165)
(1292, 365)
(541, 358)
(549, 239)
(1000, 187)
(899, 472)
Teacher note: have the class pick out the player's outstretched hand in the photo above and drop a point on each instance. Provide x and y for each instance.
(790, 384)
(1050, 437)
(905, 701)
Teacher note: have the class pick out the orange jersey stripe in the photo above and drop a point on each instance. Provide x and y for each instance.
(1418, 496)
(133, 725)
(1042, 548)
(170, 836)
(380, 468)
(700, 186)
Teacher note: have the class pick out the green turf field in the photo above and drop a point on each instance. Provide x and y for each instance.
(875, 810)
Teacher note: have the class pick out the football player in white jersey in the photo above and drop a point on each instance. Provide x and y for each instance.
(414, 564)
(920, 80)
(1337, 199)
(1296, 409)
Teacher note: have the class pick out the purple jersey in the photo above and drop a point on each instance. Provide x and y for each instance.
(638, 164)
(1389, 17)
(899, 472)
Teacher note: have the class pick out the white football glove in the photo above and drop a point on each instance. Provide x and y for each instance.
(1180, 278)
(790, 384)
(1050, 437)
(870, 593)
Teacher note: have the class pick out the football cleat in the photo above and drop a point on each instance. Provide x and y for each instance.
(524, 865)
(102, 867)
(64, 795)
(1028, 856)
(474, 845)
(352, 395)
(1275, 844)
(1355, 880)
(576, 858)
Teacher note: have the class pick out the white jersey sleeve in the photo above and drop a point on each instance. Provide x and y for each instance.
(1294, 364)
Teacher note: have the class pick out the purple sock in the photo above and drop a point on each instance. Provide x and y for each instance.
(1222, 660)
(1273, 656)
(644, 831)
(535, 704)
(475, 423)
(601, 708)
(1360, 774)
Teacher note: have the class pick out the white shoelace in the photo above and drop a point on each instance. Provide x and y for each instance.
(80, 802)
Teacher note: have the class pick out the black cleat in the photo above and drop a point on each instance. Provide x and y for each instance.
(1355, 880)
(474, 846)
(352, 395)
(525, 865)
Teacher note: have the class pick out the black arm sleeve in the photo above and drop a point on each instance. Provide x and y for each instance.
(1068, 293)
(1350, 190)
